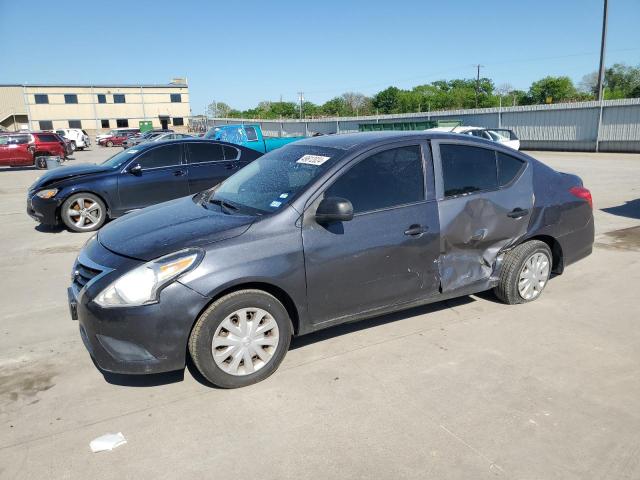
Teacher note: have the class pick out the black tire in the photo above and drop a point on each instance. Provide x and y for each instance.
(514, 260)
(68, 220)
(81, 149)
(73, 146)
(40, 161)
(201, 339)
(109, 143)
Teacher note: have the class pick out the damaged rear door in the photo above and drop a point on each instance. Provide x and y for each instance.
(485, 199)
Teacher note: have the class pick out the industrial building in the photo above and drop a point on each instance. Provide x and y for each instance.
(94, 108)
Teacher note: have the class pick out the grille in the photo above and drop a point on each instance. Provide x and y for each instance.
(83, 274)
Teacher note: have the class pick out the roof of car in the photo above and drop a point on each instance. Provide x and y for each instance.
(144, 146)
(355, 140)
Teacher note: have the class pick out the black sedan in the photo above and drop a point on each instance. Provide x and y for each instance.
(320, 232)
(83, 197)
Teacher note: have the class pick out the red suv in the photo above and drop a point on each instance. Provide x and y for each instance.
(16, 150)
(117, 139)
(19, 149)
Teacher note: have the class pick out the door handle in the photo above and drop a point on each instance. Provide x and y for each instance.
(415, 230)
(518, 213)
(179, 173)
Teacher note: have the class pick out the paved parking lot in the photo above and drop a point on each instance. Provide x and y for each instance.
(468, 388)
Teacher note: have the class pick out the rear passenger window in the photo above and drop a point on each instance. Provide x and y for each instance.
(383, 180)
(48, 138)
(231, 153)
(252, 136)
(164, 156)
(468, 169)
(205, 152)
(508, 168)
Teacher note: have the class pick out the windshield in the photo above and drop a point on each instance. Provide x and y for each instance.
(231, 134)
(273, 180)
(120, 158)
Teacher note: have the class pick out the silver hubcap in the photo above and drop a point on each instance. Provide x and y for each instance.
(84, 213)
(245, 341)
(533, 276)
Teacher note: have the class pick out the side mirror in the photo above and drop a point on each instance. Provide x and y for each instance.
(135, 169)
(334, 209)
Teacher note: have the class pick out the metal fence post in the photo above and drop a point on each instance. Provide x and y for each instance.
(306, 129)
(599, 126)
(338, 126)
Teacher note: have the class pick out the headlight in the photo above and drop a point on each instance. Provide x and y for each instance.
(50, 193)
(141, 285)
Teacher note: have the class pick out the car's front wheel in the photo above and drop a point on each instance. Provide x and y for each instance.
(241, 338)
(525, 272)
(109, 143)
(83, 212)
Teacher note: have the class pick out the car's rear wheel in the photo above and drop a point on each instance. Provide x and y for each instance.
(525, 273)
(240, 339)
(109, 143)
(83, 212)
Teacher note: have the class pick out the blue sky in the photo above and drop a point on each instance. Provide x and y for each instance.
(245, 52)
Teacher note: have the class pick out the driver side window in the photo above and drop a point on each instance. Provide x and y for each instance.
(384, 180)
(164, 156)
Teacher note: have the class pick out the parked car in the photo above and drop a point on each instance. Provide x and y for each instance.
(142, 137)
(501, 135)
(79, 138)
(16, 149)
(248, 136)
(117, 132)
(163, 137)
(326, 230)
(118, 138)
(82, 197)
(48, 144)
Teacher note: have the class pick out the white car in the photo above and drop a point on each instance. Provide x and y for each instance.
(501, 135)
(79, 138)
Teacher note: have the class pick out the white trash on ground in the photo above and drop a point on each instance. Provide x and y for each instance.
(107, 442)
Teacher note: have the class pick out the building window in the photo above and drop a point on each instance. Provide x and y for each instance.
(122, 123)
(118, 98)
(41, 98)
(178, 121)
(102, 98)
(45, 125)
(105, 124)
(70, 98)
(176, 98)
(75, 124)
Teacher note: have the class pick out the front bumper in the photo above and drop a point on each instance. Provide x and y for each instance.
(134, 340)
(43, 210)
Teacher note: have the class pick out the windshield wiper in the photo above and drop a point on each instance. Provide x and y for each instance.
(224, 205)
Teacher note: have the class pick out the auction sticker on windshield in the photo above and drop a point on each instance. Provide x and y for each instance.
(313, 159)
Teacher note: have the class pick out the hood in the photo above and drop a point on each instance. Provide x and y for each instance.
(167, 227)
(64, 172)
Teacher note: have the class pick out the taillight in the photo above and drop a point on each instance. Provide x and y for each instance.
(582, 193)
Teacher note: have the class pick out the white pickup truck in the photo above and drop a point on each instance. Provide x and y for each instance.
(79, 138)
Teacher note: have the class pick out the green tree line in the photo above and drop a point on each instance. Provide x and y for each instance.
(621, 81)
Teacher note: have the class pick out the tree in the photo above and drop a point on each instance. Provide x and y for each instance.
(355, 101)
(387, 101)
(335, 107)
(557, 89)
(218, 109)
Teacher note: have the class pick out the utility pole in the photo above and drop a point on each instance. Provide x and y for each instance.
(478, 82)
(301, 95)
(602, 48)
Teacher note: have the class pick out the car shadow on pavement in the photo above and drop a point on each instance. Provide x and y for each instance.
(630, 209)
(346, 328)
(49, 228)
(17, 169)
